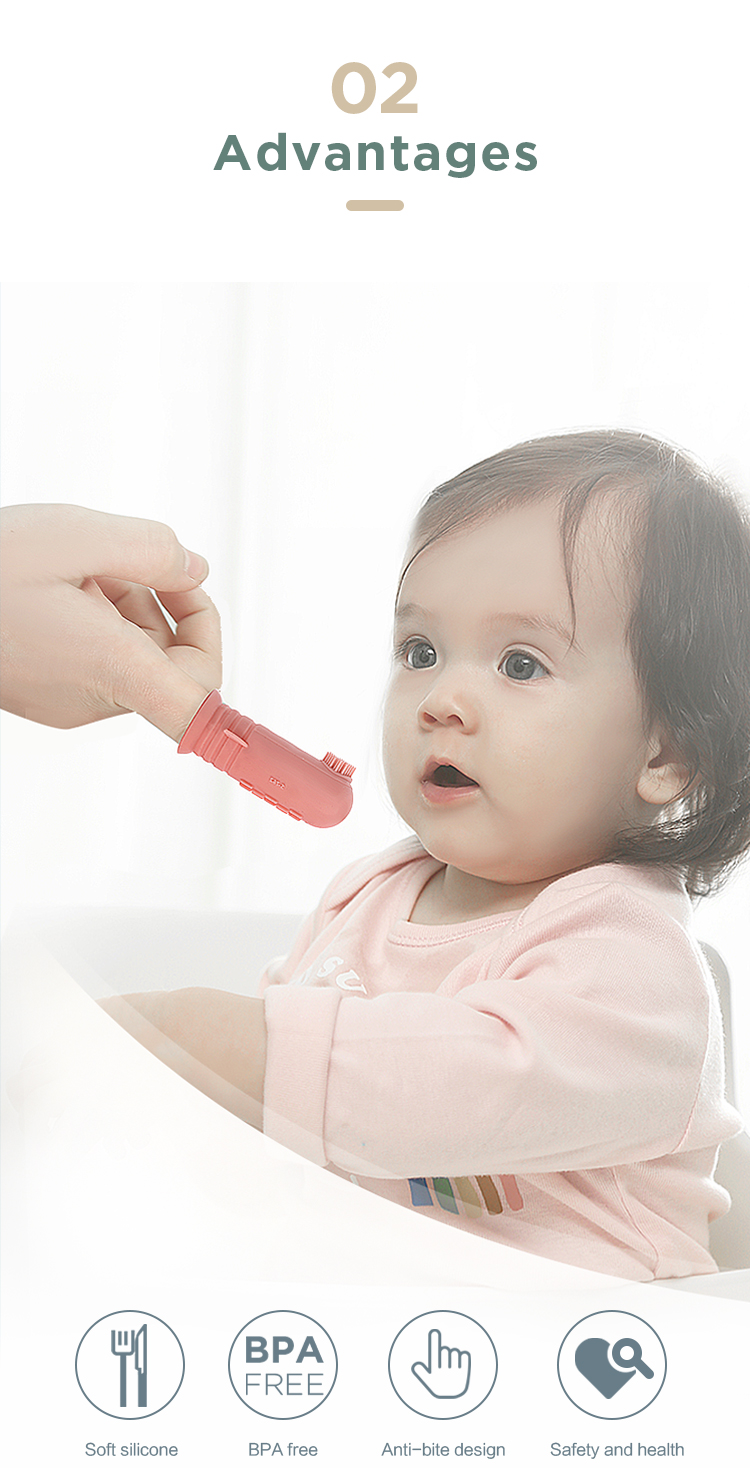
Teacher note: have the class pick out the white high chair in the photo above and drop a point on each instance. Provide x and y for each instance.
(730, 1235)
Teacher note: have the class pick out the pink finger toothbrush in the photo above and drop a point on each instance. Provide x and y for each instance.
(307, 789)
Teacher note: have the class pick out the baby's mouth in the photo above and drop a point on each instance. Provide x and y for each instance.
(447, 776)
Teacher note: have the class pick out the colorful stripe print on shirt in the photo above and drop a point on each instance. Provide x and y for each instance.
(476, 1195)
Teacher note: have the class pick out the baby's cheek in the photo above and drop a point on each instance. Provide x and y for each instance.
(392, 748)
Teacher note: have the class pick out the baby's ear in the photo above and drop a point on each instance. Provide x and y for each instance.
(666, 776)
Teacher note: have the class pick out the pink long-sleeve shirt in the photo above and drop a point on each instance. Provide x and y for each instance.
(551, 1078)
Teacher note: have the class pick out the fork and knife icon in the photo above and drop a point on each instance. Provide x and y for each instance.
(131, 1343)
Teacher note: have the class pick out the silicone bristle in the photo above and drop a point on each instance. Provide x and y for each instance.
(339, 766)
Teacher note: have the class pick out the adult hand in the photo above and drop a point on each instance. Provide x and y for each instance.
(83, 638)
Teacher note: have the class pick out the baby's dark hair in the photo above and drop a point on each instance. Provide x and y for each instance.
(688, 560)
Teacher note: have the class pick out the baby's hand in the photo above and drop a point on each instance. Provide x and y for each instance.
(83, 637)
(213, 1039)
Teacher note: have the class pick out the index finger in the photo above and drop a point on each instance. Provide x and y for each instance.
(80, 542)
(196, 620)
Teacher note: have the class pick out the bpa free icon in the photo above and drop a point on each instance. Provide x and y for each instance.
(612, 1365)
(283, 1364)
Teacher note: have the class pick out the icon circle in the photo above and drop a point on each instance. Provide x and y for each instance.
(129, 1364)
(442, 1365)
(612, 1365)
(283, 1364)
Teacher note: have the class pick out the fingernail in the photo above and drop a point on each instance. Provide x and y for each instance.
(195, 566)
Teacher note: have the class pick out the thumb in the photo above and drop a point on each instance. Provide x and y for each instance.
(147, 552)
(422, 1374)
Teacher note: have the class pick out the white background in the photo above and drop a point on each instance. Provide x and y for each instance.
(287, 416)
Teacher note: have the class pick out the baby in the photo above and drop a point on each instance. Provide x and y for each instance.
(505, 1020)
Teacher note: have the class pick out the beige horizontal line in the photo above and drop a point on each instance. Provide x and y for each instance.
(389, 205)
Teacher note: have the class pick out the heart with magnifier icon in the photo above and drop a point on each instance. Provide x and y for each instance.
(609, 1368)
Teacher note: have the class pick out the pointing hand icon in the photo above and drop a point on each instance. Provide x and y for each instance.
(447, 1371)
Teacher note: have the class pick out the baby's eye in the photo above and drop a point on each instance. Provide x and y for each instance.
(418, 654)
(522, 667)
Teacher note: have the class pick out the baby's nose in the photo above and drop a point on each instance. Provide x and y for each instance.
(450, 701)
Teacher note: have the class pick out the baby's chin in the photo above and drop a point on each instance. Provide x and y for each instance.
(483, 863)
(505, 875)
(522, 879)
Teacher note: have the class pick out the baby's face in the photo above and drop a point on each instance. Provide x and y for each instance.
(513, 755)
